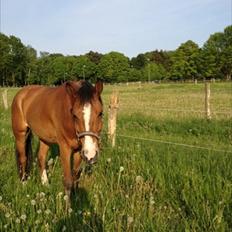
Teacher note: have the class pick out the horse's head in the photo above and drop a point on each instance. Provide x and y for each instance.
(87, 112)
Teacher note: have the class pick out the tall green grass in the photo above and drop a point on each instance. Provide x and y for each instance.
(136, 186)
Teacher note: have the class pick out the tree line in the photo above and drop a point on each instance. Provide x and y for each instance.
(21, 65)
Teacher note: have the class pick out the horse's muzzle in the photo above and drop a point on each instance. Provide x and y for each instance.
(86, 159)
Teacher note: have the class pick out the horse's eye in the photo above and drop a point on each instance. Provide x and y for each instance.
(100, 114)
(75, 117)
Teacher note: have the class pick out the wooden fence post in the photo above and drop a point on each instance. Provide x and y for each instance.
(4, 98)
(207, 100)
(112, 120)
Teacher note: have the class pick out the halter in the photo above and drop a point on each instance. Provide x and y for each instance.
(87, 133)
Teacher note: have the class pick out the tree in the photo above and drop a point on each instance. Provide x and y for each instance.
(160, 57)
(154, 72)
(94, 57)
(226, 56)
(18, 61)
(139, 62)
(114, 67)
(211, 53)
(83, 68)
(31, 70)
(5, 58)
(185, 61)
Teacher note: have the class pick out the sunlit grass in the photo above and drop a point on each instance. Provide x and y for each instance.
(138, 185)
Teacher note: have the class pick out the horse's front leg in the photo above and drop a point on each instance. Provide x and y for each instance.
(65, 155)
(42, 154)
(76, 169)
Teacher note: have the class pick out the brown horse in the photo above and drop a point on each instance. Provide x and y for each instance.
(69, 115)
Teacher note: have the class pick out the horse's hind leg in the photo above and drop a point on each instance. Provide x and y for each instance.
(23, 153)
(42, 154)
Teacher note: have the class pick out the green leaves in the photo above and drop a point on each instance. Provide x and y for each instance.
(185, 65)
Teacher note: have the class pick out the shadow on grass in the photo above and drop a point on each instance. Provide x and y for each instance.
(83, 217)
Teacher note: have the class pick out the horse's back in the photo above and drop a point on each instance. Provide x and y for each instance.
(30, 103)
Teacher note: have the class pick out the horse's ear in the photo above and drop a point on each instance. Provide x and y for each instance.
(99, 87)
(70, 88)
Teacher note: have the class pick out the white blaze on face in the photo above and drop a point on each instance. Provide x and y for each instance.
(89, 147)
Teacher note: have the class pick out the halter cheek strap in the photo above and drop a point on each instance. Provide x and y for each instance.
(87, 133)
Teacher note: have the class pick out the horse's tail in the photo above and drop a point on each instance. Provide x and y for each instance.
(29, 152)
(29, 157)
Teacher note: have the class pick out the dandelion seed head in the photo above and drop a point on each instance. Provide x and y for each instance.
(17, 220)
(47, 211)
(23, 217)
(152, 202)
(37, 222)
(60, 194)
(39, 211)
(130, 220)
(139, 179)
(50, 162)
(121, 169)
(70, 210)
(33, 202)
(42, 194)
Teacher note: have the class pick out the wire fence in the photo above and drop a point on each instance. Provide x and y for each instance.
(137, 108)
(173, 143)
(229, 113)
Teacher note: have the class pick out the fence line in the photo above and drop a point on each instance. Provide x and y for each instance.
(178, 110)
(172, 143)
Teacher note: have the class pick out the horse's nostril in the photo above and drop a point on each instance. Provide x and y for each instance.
(92, 161)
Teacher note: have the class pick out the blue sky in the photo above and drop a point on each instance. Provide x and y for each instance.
(128, 26)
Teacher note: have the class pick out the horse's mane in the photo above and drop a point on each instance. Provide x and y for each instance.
(85, 92)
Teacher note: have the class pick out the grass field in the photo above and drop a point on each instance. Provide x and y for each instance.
(139, 185)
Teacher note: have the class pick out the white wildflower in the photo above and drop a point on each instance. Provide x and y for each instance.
(33, 202)
(70, 210)
(37, 222)
(60, 194)
(121, 169)
(65, 197)
(47, 211)
(42, 194)
(64, 228)
(7, 215)
(152, 202)
(108, 160)
(139, 179)
(17, 220)
(23, 217)
(39, 211)
(50, 162)
(130, 220)
(27, 195)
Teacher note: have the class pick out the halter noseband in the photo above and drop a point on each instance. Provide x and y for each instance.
(87, 133)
